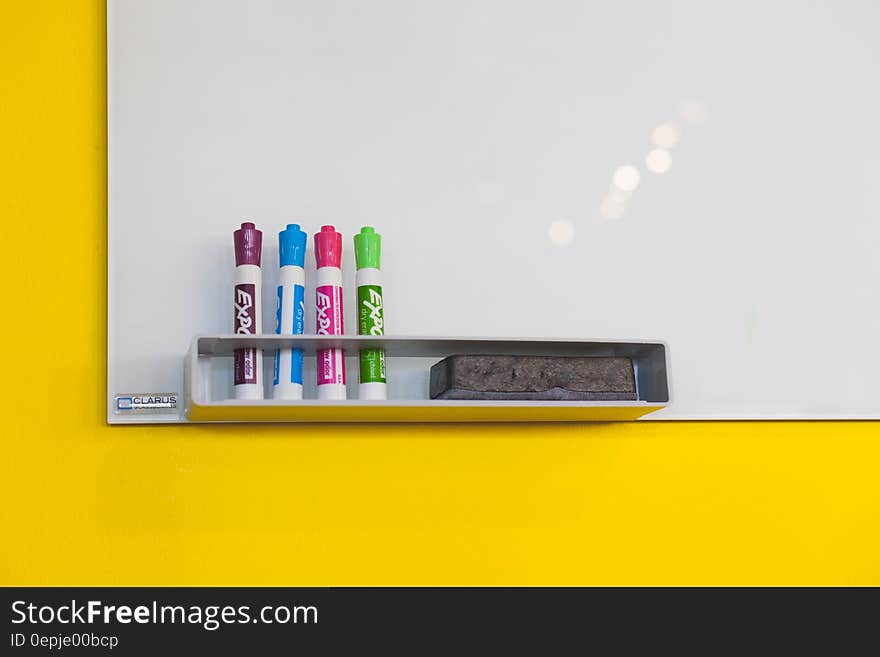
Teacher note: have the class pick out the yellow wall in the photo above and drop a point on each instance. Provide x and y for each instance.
(82, 503)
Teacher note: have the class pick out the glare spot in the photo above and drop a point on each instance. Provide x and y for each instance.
(561, 232)
(618, 195)
(611, 209)
(665, 135)
(693, 111)
(658, 161)
(626, 178)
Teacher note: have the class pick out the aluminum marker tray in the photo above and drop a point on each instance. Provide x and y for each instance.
(207, 387)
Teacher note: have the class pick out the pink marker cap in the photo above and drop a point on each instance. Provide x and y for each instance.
(328, 247)
(248, 245)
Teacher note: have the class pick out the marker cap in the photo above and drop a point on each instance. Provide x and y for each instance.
(328, 247)
(292, 246)
(248, 245)
(367, 248)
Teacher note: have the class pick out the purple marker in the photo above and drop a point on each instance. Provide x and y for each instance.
(248, 363)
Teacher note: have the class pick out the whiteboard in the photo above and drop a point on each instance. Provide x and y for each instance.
(699, 173)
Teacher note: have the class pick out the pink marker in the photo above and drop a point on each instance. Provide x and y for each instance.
(328, 303)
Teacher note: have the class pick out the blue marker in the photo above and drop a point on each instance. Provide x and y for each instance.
(290, 311)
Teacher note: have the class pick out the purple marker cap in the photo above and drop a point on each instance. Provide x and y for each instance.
(248, 245)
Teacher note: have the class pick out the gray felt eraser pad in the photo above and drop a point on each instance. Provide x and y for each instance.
(552, 378)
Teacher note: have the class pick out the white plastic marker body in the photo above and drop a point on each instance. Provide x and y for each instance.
(328, 315)
(247, 313)
(370, 313)
(290, 311)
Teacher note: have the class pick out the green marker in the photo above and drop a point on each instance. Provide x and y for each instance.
(370, 312)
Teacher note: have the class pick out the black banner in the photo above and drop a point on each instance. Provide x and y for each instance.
(150, 621)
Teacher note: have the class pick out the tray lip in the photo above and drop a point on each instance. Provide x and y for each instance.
(415, 411)
(427, 338)
(425, 403)
(270, 341)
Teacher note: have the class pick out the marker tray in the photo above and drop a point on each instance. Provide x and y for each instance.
(208, 381)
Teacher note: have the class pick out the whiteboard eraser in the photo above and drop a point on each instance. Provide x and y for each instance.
(550, 378)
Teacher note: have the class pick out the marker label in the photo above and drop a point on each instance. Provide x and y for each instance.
(296, 366)
(298, 312)
(244, 308)
(371, 321)
(277, 332)
(245, 324)
(299, 309)
(299, 321)
(328, 303)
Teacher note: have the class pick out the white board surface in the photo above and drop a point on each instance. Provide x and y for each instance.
(481, 139)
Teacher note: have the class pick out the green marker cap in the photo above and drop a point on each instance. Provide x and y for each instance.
(367, 248)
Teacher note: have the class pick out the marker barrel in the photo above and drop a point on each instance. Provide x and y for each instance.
(370, 312)
(247, 312)
(290, 311)
(331, 362)
(289, 320)
(329, 315)
(371, 321)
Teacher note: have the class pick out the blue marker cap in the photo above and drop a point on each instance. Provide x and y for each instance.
(292, 246)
